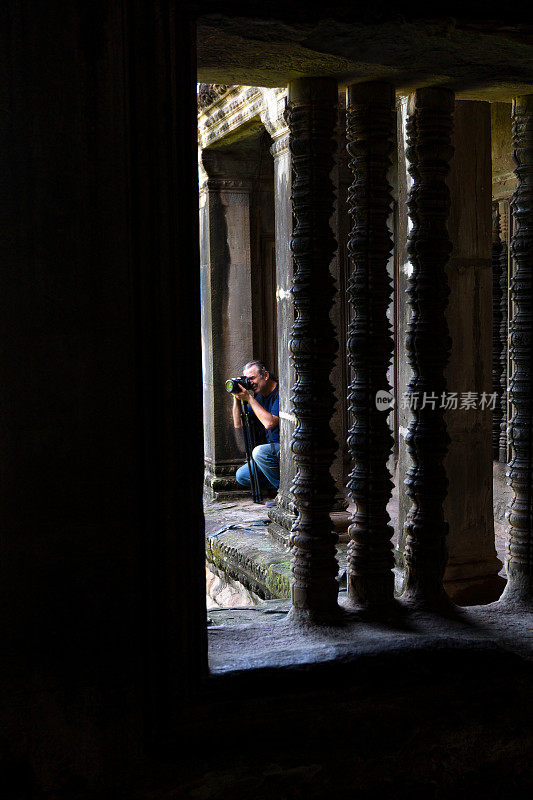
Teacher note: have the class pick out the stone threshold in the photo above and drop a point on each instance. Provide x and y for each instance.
(273, 636)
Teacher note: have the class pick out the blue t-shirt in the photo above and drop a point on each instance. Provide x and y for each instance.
(271, 404)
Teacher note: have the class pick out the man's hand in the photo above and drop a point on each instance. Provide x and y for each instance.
(244, 394)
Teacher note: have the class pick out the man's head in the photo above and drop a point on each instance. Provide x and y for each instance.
(260, 378)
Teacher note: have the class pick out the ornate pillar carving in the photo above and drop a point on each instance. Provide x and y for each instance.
(519, 561)
(504, 320)
(471, 575)
(370, 120)
(428, 343)
(312, 118)
(283, 515)
(497, 344)
(341, 224)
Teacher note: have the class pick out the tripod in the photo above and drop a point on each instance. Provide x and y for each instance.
(249, 443)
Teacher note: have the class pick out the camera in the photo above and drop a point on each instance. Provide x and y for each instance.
(232, 384)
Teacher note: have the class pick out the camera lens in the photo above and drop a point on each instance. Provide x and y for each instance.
(231, 385)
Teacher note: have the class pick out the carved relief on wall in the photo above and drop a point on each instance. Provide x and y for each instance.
(209, 92)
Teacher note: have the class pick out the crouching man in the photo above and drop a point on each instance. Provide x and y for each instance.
(263, 402)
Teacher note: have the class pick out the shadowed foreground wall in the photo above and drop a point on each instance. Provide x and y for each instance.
(93, 473)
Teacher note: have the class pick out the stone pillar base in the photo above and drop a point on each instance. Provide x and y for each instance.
(475, 591)
(283, 514)
(340, 504)
(485, 586)
(220, 483)
(279, 533)
(474, 582)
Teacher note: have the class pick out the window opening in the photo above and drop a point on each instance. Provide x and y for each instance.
(243, 292)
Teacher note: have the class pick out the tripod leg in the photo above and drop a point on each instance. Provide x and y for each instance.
(252, 466)
(254, 475)
(259, 497)
(247, 446)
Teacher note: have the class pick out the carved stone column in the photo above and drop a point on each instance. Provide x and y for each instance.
(370, 126)
(284, 513)
(428, 343)
(312, 118)
(504, 325)
(341, 224)
(497, 344)
(471, 575)
(519, 561)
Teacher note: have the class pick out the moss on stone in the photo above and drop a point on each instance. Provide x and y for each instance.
(279, 582)
(260, 563)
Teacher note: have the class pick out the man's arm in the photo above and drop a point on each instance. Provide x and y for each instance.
(236, 411)
(270, 421)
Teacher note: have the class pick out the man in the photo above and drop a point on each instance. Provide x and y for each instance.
(263, 401)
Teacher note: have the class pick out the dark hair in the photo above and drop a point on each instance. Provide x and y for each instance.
(261, 367)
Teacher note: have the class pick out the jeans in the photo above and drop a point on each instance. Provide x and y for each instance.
(268, 464)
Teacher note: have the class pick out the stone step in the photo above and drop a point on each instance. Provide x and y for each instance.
(257, 560)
